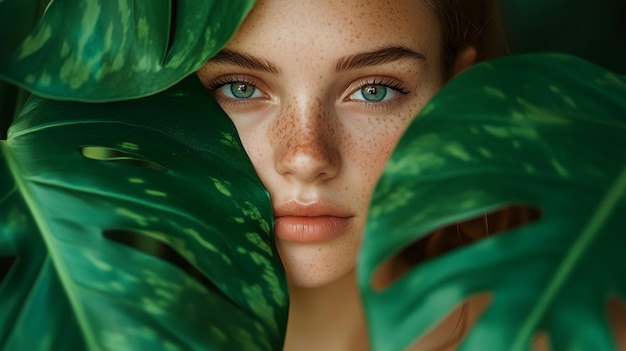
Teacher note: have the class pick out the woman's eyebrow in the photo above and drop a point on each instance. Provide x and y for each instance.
(243, 60)
(378, 57)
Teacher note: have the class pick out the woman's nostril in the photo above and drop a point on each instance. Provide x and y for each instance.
(308, 159)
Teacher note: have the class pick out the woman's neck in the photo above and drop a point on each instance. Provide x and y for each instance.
(326, 318)
(331, 317)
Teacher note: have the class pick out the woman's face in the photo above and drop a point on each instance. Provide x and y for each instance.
(320, 92)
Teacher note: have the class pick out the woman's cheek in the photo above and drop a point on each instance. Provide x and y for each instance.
(377, 144)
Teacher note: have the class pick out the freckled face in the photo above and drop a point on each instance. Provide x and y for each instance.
(320, 92)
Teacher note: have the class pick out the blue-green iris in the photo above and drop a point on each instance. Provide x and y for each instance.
(242, 90)
(374, 92)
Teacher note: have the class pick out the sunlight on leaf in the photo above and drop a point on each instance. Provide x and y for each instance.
(552, 137)
(97, 50)
(136, 256)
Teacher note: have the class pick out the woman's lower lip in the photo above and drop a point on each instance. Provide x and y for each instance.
(304, 229)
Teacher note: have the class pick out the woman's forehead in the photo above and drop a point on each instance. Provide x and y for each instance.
(337, 25)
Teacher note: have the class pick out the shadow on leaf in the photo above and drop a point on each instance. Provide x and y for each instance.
(6, 263)
(160, 250)
(453, 237)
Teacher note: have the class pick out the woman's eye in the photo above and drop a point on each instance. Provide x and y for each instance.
(373, 93)
(239, 90)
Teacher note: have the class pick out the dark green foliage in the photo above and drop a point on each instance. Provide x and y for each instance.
(593, 30)
(161, 172)
(142, 225)
(547, 131)
(91, 50)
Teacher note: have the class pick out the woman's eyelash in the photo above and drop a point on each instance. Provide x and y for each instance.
(392, 84)
(397, 86)
(215, 85)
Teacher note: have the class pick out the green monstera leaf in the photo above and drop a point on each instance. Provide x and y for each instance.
(100, 50)
(546, 131)
(136, 225)
(18, 17)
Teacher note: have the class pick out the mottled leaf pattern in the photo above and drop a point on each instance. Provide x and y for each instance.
(74, 288)
(94, 50)
(17, 18)
(543, 130)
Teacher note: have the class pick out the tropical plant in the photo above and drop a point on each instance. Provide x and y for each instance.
(554, 141)
(142, 224)
(138, 224)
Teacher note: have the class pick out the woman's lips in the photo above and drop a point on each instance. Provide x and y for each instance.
(307, 229)
(309, 223)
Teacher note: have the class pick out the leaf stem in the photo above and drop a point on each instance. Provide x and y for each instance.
(589, 233)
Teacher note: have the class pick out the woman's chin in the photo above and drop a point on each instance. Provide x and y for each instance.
(317, 265)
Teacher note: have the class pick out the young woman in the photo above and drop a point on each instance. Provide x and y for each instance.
(320, 92)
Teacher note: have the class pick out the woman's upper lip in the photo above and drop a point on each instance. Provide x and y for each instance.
(310, 209)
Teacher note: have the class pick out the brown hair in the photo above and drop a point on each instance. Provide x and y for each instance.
(463, 233)
(469, 22)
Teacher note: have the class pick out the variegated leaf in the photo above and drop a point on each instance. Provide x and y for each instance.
(136, 225)
(95, 50)
(546, 131)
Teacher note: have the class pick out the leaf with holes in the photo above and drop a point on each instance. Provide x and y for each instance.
(544, 131)
(100, 50)
(137, 225)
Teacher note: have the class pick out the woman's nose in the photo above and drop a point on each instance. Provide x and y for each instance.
(308, 149)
